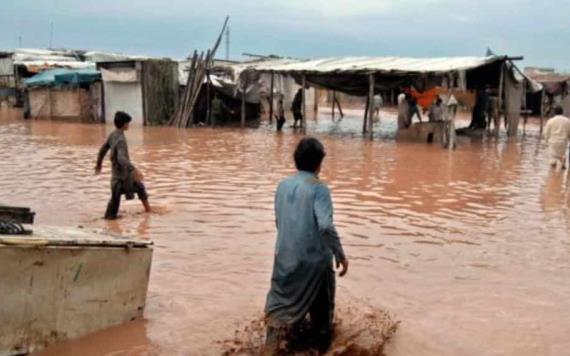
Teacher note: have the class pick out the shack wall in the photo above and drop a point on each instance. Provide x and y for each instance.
(7, 81)
(160, 87)
(124, 96)
(74, 104)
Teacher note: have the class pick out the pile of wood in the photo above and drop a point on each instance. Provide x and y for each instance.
(199, 69)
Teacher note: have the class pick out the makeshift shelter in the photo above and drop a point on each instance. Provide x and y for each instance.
(147, 89)
(260, 91)
(556, 88)
(20, 64)
(366, 76)
(66, 94)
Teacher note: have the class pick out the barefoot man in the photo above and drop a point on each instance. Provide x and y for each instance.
(125, 178)
(303, 280)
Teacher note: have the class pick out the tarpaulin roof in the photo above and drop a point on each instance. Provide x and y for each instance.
(396, 65)
(349, 74)
(62, 77)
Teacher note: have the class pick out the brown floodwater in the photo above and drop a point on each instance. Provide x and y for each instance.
(468, 249)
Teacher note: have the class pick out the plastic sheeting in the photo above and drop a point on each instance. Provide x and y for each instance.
(62, 77)
(395, 65)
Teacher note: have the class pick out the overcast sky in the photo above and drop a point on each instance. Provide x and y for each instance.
(538, 30)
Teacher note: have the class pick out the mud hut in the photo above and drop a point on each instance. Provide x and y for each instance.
(147, 89)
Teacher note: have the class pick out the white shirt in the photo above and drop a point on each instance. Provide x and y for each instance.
(557, 130)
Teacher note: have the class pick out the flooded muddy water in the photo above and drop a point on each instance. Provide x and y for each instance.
(468, 249)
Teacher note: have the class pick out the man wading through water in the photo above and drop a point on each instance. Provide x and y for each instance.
(125, 178)
(303, 280)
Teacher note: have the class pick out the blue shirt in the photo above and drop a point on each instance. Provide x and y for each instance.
(307, 240)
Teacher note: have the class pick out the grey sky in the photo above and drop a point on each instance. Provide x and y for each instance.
(539, 30)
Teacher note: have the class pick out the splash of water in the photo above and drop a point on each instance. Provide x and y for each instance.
(360, 330)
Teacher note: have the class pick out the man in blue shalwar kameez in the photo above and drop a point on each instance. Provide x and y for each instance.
(303, 280)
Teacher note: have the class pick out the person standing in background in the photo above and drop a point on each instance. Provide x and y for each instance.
(557, 136)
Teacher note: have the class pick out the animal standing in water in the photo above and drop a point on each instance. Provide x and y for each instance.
(125, 177)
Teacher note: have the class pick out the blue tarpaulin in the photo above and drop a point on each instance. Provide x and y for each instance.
(63, 77)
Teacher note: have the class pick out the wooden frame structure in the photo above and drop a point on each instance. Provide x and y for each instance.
(367, 76)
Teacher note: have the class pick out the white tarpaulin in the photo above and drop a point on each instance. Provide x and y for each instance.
(373, 64)
(121, 75)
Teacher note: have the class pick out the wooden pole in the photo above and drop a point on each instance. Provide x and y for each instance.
(542, 110)
(208, 99)
(271, 98)
(304, 103)
(364, 122)
(371, 105)
(244, 87)
(316, 102)
(500, 97)
(453, 109)
(333, 102)
(339, 107)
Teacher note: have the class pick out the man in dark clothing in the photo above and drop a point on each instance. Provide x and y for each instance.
(218, 111)
(125, 178)
(479, 115)
(297, 108)
(303, 280)
(413, 110)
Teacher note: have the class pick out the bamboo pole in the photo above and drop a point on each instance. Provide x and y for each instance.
(304, 104)
(371, 105)
(271, 97)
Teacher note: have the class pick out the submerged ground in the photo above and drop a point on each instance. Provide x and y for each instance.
(469, 249)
